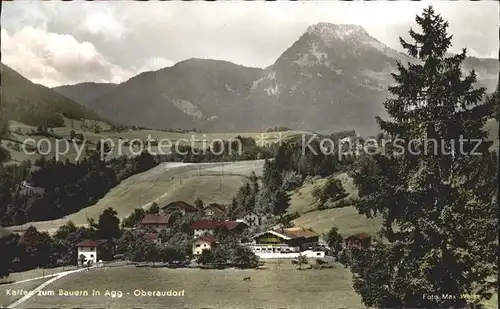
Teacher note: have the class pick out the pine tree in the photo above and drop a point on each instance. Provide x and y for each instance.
(109, 224)
(281, 202)
(437, 209)
(199, 204)
(4, 154)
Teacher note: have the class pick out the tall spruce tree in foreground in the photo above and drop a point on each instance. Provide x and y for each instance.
(438, 215)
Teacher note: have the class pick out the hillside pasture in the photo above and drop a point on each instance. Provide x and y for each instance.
(6, 299)
(346, 219)
(168, 182)
(20, 133)
(275, 286)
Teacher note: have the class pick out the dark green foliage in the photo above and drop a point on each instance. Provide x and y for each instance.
(281, 202)
(291, 180)
(244, 257)
(37, 105)
(65, 239)
(228, 251)
(331, 190)
(153, 209)
(199, 204)
(82, 259)
(4, 154)
(34, 249)
(125, 242)
(439, 217)
(301, 260)
(8, 249)
(278, 129)
(334, 239)
(272, 179)
(169, 254)
(134, 218)
(135, 251)
(306, 158)
(108, 226)
(68, 186)
(206, 257)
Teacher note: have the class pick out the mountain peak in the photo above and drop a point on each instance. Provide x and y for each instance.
(336, 31)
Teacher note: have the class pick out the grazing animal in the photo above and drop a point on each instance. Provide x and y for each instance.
(247, 279)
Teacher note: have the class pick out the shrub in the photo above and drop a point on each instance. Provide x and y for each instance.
(291, 181)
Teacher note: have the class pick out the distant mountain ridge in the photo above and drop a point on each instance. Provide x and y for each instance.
(35, 104)
(333, 78)
(192, 93)
(83, 93)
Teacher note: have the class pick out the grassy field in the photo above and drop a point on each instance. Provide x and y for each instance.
(34, 273)
(276, 286)
(492, 128)
(346, 219)
(18, 134)
(168, 182)
(4, 232)
(6, 300)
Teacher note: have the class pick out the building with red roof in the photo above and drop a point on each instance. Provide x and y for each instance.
(91, 251)
(204, 242)
(153, 237)
(215, 209)
(206, 226)
(181, 206)
(249, 217)
(155, 223)
(360, 240)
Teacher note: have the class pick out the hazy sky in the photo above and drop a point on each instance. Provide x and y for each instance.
(56, 43)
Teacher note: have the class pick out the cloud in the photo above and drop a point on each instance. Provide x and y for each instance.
(52, 59)
(139, 36)
(103, 23)
(155, 63)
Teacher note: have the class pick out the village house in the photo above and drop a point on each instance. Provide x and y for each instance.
(204, 242)
(28, 188)
(155, 223)
(181, 206)
(250, 218)
(94, 250)
(153, 237)
(361, 240)
(286, 243)
(215, 209)
(205, 226)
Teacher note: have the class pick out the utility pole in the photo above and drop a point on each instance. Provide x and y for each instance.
(222, 175)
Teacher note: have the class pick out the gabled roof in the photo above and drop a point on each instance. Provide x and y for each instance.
(359, 236)
(151, 236)
(181, 205)
(218, 208)
(91, 243)
(211, 224)
(280, 234)
(301, 232)
(155, 219)
(240, 214)
(231, 225)
(291, 233)
(207, 238)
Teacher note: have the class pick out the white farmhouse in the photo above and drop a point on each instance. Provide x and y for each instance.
(286, 243)
(205, 242)
(249, 218)
(92, 250)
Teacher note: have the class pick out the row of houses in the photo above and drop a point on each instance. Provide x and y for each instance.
(274, 243)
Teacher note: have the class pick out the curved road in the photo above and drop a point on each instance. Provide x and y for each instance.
(41, 286)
